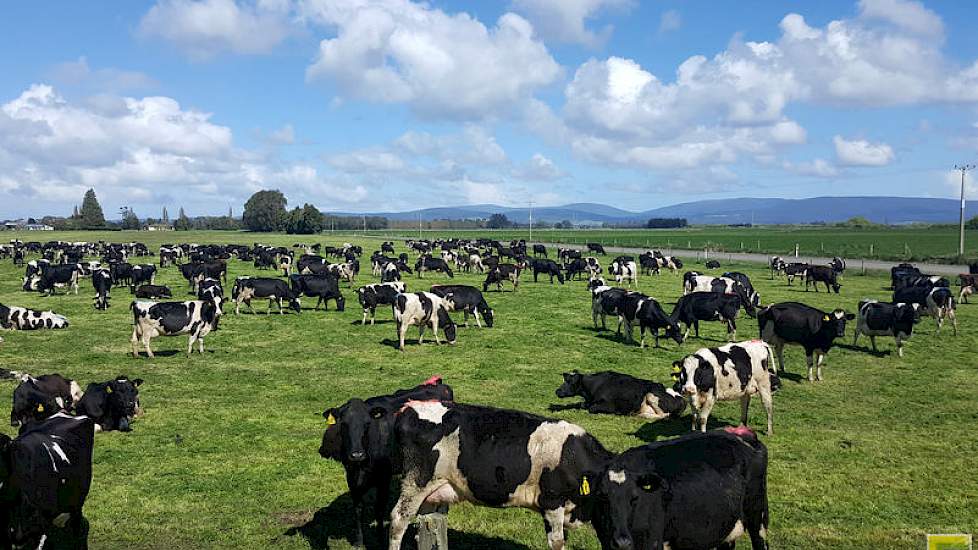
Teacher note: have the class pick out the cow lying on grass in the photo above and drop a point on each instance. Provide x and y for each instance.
(610, 392)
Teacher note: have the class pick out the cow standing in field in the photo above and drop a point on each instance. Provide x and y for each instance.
(695, 491)
(880, 319)
(936, 302)
(422, 309)
(795, 269)
(637, 307)
(822, 274)
(777, 265)
(547, 267)
(427, 263)
(323, 287)
(382, 294)
(605, 301)
(805, 326)
(624, 272)
(195, 318)
(466, 299)
(539, 250)
(274, 290)
(708, 306)
(501, 273)
(102, 283)
(969, 285)
(51, 277)
(610, 392)
(492, 457)
(596, 248)
(359, 435)
(727, 373)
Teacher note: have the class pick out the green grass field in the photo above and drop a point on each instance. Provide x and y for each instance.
(912, 243)
(876, 456)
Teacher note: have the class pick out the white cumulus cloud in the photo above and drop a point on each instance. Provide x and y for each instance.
(862, 153)
(566, 20)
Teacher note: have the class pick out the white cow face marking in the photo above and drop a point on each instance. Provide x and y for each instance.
(617, 476)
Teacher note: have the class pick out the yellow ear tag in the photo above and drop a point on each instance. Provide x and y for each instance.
(676, 369)
(330, 420)
(647, 486)
(585, 487)
(40, 408)
(826, 318)
(108, 389)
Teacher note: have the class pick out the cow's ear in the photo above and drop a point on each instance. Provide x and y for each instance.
(137, 382)
(850, 316)
(651, 482)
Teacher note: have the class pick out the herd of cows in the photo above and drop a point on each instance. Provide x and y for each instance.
(702, 490)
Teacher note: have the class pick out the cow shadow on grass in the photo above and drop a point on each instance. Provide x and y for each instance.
(335, 522)
(673, 427)
(861, 349)
(378, 322)
(795, 377)
(168, 353)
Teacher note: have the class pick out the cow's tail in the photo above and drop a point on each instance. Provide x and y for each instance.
(772, 370)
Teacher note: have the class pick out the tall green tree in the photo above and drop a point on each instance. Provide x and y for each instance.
(166, 216)
(129, 218)
(265, 211)
(498, 221)
(91, 212)
(183, 222)
(305, 221)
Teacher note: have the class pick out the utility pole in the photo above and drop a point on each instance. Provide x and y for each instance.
(964, 169)
(365, 224)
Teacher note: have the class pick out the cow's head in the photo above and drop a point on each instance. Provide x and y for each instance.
(673, 331)
(446, 324)
(693, 374)
(32, 282)
(572, 385)
(835, 322)
(114, 404)
(678, 263)
(357, 432)
(630, 512)
(294, 303)
(32, 405)
(486, 313)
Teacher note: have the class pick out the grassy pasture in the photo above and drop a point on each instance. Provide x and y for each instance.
(916, 243)
(876, 456)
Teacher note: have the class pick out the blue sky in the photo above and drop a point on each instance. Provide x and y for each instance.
(372, 105)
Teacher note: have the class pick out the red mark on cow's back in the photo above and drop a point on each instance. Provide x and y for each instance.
(434, 380)
(740, 431)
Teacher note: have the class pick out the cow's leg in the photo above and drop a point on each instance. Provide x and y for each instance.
(200, 344)
(855, 337)
(190, 344)
(477, 321)
(686, 334)
(899, 344)
(703, 415)
(954, 320)
(364, 321)
(553, 520)
(421, 328)
(696, 326)
(641, 331)
(134, 341)
(434, 329)
(818, 365)
(779, 351)
(146, 339)
(872, 341)
(406, 509)
(809, 361)
(401, 331)
(731, 330)
(768, 402)
(744, 408)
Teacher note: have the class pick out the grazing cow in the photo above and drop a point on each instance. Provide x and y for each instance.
(112, 405)
(540, 250)
(805, 326)
(596, 248)
(707, 306)
(606, 301)
(593, 265)
(503, 272)
(153, 292)
(371, 296)
(691, 281)
(46, 473)
(727, 373)
(969, 284)
(144, 273)
(576, 266)
(197, 318)
(323, 287)
(795, 269)
(921, 281)
(492, 457)
(902, 271)
(738, 285)
(54, 276)
(936, 302)
(649, 264)
(121, 273)
(548, 267)
(822, 274)
(102, 283)
(359, 435)
(636, 306)
(712, 264)
(210, 289)
(22, 318)
(611, 392)
(426, 263)
(624, 271)
(275, 290)
(423, 309)
(777, 265)
(695, 491)
(467, 299)
(838, 265)
(387, 247)
(881, 319)
(37, 398)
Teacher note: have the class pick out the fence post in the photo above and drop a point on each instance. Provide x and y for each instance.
(796, 250)
(433, 527)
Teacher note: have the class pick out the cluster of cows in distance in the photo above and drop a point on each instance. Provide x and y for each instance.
(664, 494)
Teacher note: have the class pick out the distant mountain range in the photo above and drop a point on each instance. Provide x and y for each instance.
(891, 210)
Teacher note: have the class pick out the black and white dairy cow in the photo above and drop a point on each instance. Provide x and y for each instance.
(937, 302)
(52, 277)
(112, 405)
(153, 292)
(466, 299)
(795, 269)
(274, 290)
(611, 392)
(323, 287)
(45, 475)
(636, 307)
(102, 283)
(737, 284)
(196, 318)
(732, 372)
(142, 274)
(37, 398)
(694, 492)
(493, 457)
(381, 294)
(777, 265)
(503, 272)
(359, 434)
(605, 301)
(423, 309)
(802, 325)
(707, 306)
(427, 263)
(881, 319)
(547, 267)
(624, 272)
(210, 289)
(22, 318)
